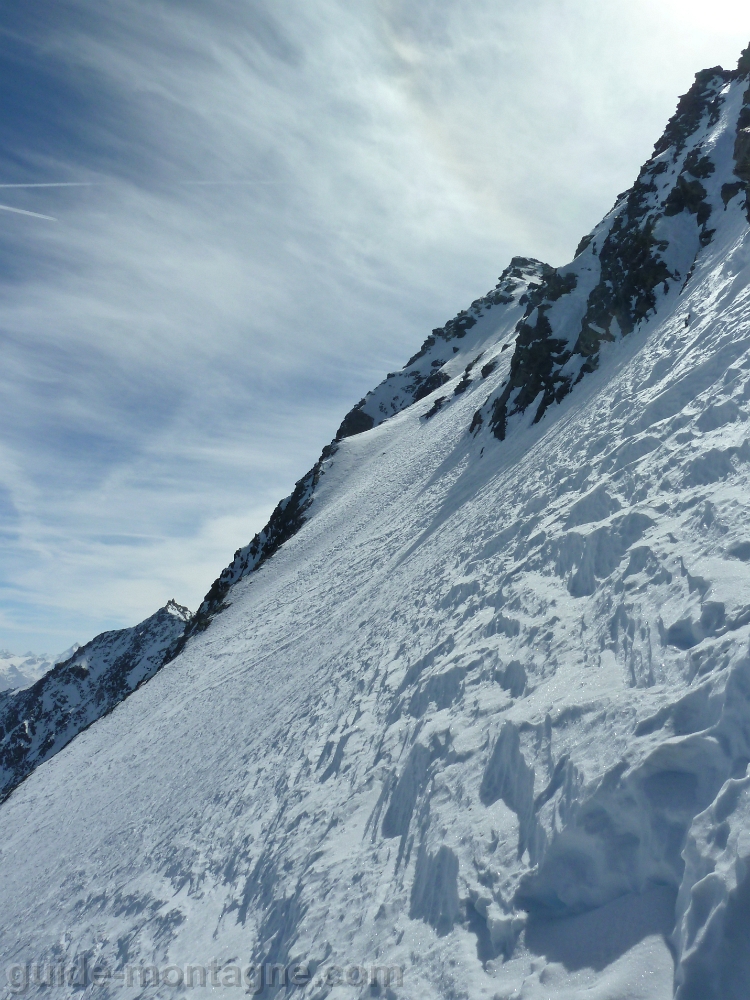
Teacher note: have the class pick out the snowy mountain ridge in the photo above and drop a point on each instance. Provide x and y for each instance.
(484, 716)
(431, 368)
(642, 252)
(36, 723)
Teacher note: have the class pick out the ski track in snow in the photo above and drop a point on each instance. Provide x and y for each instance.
(468, 719)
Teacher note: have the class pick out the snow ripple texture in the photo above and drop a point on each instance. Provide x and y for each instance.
(486, 715)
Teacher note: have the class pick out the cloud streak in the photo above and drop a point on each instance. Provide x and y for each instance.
(262, 209)
(23, 211)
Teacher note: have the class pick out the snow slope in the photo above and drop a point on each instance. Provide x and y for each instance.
(485, 713)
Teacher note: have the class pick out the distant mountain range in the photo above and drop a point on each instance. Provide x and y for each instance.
(18, 672)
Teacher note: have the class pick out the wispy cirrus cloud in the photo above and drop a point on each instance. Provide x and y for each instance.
(267, 206)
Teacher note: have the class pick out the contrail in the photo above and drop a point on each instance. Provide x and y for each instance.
(66, 184)
(58, 184)
(22, 211)
(230, 183)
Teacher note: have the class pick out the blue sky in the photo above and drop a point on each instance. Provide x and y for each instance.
(271, 203)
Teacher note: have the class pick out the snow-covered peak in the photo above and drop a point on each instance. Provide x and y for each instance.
(177, 611)
(67, 653)
(479, 331)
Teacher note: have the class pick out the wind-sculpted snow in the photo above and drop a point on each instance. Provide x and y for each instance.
(714, 902)
(485, 714)
(38, 722)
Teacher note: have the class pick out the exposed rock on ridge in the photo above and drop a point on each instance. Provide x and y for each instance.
(635, 252)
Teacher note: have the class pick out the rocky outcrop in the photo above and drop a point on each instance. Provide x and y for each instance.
(286, 520)
(535, 369)
(742, 155)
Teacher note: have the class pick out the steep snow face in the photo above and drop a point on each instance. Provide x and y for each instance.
(485, 714)
(481, 333)
(38, 722)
